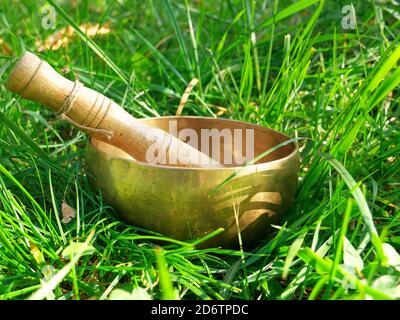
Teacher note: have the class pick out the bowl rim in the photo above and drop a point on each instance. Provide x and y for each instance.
(232, 168)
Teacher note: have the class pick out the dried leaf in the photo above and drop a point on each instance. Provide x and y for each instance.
(93, 30)
(68, 213)
(56, 40)
(64, 36)
(65, 69)
(221, 111)
(5, 48)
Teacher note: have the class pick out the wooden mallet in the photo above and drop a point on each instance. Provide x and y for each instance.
(35, 80)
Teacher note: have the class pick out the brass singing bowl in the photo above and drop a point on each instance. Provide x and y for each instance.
(182, 203)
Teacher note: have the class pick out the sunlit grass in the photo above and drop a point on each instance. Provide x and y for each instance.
(297, 71)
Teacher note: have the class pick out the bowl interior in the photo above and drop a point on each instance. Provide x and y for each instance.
(230, 142)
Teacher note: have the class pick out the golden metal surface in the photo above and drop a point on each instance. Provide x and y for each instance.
(179, 202)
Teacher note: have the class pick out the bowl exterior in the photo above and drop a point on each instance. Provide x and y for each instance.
(186, 203)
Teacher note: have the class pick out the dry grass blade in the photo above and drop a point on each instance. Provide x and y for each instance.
(186, 95)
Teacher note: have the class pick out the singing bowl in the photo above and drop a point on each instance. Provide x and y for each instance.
(188, 203)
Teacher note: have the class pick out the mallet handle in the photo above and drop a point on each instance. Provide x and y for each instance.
(89, 110)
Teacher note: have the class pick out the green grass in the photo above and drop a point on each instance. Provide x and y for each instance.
(288, 65)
